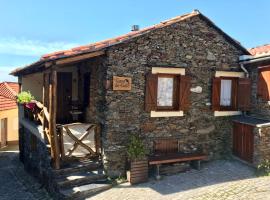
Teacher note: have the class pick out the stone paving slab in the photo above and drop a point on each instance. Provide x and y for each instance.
(218, 180)
(15, 183)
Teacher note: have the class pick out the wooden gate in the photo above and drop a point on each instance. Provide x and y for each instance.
(243, 141)
(80, 140)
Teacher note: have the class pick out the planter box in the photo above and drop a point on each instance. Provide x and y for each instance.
(138, 172)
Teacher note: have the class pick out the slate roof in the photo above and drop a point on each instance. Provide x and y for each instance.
(8, 92)
(102, 45)
(260, 50)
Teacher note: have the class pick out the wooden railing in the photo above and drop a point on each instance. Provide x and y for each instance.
(42, 115)
(85, 143)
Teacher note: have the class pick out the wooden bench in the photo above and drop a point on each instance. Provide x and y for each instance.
(167, 151)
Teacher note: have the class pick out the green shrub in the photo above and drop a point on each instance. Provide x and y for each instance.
(24, 97)
(136, 149)
(264, 168)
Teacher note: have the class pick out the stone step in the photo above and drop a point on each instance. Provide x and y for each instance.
(80, 178)
(77, 168)
(84, 191)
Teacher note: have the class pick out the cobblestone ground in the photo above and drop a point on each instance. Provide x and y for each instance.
(218, 180)
(15, 183)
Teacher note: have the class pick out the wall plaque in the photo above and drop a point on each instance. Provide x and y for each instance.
(121, 83)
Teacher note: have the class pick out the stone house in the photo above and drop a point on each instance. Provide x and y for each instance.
(177, 79)
(256, 123)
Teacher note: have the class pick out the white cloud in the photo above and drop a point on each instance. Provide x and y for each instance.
(4, 74)
(26, 47)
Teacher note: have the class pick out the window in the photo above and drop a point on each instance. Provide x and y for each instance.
(167, 94)
(226, 93)
(231, 93)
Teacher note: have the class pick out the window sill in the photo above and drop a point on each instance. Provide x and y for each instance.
(226, 113)
(167, 113)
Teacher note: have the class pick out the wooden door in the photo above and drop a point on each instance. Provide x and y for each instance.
(243, 141)
(3, 132)
(64, 97)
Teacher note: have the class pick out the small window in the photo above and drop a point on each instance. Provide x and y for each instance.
(226, 93)
(167, 92)
(231, 94)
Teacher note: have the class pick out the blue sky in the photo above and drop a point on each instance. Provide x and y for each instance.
(30, 28)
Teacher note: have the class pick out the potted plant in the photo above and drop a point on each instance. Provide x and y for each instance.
(138, 162)
(27, 100)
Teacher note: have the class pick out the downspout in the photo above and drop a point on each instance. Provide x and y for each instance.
(245, 70)
(246, 75)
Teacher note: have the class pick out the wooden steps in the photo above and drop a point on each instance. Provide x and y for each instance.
(81, 179)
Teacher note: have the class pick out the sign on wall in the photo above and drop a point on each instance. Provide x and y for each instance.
(121, 83)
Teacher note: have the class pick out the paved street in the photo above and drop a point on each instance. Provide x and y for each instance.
(15, 183)
(219, 180)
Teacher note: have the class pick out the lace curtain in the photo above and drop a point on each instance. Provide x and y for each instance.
(226, 92)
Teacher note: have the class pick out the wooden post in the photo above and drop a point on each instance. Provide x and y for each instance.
(52, 121)
(45, 102)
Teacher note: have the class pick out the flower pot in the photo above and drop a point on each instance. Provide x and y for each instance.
(138, 172)
(30, 105)
(29, 109)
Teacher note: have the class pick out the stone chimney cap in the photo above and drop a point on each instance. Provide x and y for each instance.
(196, 11)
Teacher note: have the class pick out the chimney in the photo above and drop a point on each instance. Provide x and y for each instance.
(135, 28)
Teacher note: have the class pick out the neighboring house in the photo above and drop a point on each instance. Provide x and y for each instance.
(255, 129)
(177, 79)
(8, 113)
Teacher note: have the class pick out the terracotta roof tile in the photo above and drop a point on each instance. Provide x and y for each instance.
(260, 50)
(8, 92)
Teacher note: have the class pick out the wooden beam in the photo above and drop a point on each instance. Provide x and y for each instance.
(52, 120)
(79, 58)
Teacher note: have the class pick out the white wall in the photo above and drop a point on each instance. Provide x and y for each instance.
(34, 84)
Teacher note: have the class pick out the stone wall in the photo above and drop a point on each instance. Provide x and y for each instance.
(261, 145)
(36, 158)
(95, 110)
(189, 44)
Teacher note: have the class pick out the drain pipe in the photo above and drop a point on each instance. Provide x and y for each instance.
(245, 70)
(246, 75)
